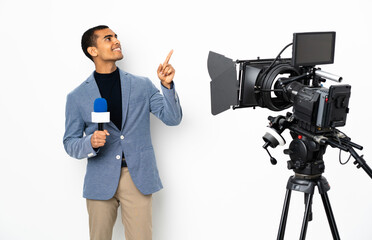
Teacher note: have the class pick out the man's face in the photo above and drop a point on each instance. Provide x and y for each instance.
(108, 47)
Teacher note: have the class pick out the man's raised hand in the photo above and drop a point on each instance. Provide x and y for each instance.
(166, 72)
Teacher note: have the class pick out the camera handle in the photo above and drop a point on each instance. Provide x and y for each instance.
(349, 146)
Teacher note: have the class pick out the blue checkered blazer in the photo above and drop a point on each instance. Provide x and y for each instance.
(139, 98)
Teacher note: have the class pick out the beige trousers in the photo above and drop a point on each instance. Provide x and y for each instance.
(136, 212)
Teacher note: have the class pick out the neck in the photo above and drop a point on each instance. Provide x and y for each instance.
(107, 67)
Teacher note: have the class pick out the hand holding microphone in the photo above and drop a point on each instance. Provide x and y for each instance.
(100, 116)
(99, 138)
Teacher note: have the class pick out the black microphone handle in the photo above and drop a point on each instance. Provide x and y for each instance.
(100, 126)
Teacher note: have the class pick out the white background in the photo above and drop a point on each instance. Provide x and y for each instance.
(218, 181)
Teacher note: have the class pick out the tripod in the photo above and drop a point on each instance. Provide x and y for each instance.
(306, 153)
(307, 184)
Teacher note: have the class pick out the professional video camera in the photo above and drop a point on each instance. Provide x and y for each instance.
(280, 83)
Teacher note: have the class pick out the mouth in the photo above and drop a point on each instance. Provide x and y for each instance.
(118, 49)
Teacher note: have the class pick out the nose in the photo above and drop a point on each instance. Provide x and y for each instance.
(116, 41)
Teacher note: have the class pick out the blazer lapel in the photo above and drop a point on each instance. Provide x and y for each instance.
(125, 82)
(92, 88)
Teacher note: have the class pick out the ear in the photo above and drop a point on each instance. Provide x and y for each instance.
(92, 51)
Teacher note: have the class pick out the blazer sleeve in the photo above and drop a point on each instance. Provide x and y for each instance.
(166, 107)
(76, 144)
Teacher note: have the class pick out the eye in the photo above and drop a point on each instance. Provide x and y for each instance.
(108, 39)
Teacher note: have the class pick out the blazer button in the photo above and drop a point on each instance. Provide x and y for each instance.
(121, 137)
(118, 157)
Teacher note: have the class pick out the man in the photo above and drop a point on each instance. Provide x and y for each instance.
(121, 168)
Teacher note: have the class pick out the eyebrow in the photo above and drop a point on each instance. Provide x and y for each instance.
(110, 35)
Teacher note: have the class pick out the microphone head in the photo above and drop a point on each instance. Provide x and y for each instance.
(100, 105)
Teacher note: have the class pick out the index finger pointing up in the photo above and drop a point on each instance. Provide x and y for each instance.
(168, 57)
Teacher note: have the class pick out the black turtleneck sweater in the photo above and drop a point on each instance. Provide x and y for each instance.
(110, 89)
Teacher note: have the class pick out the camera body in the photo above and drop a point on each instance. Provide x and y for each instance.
(278, 84)
(317, 109)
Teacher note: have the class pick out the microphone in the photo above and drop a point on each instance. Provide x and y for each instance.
(100, 114)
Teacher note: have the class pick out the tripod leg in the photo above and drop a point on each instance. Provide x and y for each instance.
(331, 218)
(306, 215)
(283, 219)
(310, 210)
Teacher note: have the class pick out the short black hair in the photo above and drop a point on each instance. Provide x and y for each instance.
(89, 39)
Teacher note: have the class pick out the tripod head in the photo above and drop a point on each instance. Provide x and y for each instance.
(307, 148)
